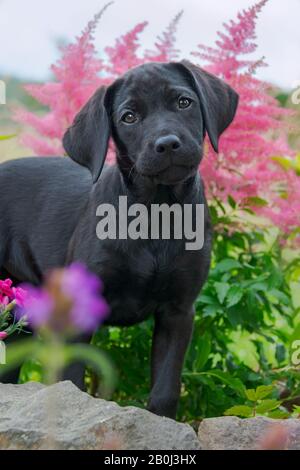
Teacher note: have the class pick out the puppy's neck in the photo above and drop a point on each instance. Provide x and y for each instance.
(144, 190)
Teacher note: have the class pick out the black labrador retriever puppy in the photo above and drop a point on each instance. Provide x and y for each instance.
(157, 115)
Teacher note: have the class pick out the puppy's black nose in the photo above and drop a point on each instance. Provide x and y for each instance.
(167, 144)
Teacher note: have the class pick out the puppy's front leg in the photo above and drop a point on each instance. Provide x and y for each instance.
(172, 333)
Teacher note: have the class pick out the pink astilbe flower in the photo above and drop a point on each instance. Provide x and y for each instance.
(77, 76)
(244, 167)
(123, 56)
(165, 49)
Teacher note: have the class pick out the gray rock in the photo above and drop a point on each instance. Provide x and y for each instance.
(33, 416)
(232, 433)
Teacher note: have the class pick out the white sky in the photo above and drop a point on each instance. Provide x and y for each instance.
(29, 30)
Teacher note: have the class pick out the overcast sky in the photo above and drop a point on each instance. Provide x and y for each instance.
(29, 30)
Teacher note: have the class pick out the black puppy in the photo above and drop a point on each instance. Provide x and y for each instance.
(157, 115)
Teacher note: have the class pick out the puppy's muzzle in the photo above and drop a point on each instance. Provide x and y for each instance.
(167, 145)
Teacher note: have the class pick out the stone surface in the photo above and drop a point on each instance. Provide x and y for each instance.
(232, 433)
(33, 416)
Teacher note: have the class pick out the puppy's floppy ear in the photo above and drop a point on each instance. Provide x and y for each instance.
(218, 101)
(86, 141)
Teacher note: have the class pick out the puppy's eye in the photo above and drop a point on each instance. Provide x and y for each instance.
(129, 118)
(184, 102)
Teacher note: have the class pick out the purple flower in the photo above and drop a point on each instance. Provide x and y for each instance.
(69, 301)
(84, 289)
(36, 306)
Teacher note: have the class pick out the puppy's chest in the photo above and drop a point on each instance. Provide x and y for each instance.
(155, 266)
(136, 283)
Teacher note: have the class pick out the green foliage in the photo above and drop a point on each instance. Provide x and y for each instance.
(296, 411)
(283, 98)
(8, 323)
(32, 371)
(245, 322)
(258, 404)
(129, 350)
(247, 317)
(7, 137)
(289, 164)
(47, 355)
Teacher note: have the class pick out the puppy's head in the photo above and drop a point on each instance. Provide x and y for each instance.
(158, 115)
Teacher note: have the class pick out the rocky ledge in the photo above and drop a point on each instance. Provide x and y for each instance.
(33, 416)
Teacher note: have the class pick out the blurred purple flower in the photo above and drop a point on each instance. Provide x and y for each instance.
(36, 306)
(69, 300)
(84, 289)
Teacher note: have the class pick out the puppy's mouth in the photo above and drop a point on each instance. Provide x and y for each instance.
(173, 174)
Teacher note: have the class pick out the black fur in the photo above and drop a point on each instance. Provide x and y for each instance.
(49, 218)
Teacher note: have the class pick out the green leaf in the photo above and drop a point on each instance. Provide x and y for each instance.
(31, 371)
(251, 394)
(221, 289)
(281, 296)
(18, 352)
(276, 278)
(239, 410)
(203, 352)
(206, 299)
(260, 287)
(264, 391)
(234, 295)
(235, 315)
(227, 265)
(278, 414)
(284, 162)
(114, 334)
(249, 211)
(280, 352)
(234, 383)
(219, 203)
(231, 202)
(211, 310)
(96, 360)
(6, 137)
(255, 201)
(267, 405)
